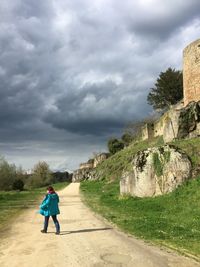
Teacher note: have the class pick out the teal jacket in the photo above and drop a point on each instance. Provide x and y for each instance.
(49, 205)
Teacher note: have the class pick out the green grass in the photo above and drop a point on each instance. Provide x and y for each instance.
(172, 220)
(12, 202)
(112, 168)
(191, 147)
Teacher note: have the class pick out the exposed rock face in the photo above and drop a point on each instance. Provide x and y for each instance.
(182, 122)
(189, 121)
(87, 165)
(85, 174)
(81, 174)
(171, 123)
(87, 171)
(155, 171)
(99, 158)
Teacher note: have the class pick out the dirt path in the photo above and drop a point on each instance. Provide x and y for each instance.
(85, 241)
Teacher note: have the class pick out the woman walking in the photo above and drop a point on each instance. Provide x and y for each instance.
(49, 207)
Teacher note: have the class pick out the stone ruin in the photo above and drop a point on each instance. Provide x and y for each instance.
(87, 171)
(157, 171)
(191, 72)
(172, 124)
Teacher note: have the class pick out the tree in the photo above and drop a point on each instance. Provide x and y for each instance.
(18, 184)
(7, 174)
(41, 175)
(168, 90)
(127, 138)
(115, 145)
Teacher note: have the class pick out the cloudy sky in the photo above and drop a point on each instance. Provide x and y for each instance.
(74, 72)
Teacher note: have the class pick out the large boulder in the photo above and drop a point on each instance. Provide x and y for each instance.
(155, 171)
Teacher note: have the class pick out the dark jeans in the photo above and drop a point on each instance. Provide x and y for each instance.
(55, 220)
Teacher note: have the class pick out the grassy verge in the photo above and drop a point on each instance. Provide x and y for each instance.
(112, 168)
(172, 220)
(12, 202)
(192, 148)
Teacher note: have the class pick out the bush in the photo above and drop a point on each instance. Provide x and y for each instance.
(115, 145)
(18, 185)
(127, 138)
(7, 174)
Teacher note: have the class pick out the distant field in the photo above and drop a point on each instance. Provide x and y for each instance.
(12, 202)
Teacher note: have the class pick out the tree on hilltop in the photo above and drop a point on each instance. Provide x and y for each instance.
(168, 90)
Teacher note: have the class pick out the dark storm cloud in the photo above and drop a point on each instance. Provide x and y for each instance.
(98, 109)
(73, 73)
(159, 19)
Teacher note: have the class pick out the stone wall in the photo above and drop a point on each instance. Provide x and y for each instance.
(86, 165)
(159, 125)
(167, 125)
(147, 131)
(191, 72)
(99, 158)
(87, 171)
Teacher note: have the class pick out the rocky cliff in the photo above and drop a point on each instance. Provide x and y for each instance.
(155, 171)
(87, 171)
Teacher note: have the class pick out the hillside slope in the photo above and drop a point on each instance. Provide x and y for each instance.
(171, 220)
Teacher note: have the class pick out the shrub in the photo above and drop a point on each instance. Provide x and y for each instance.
(115, 145)
(7, 174)
(18, 185)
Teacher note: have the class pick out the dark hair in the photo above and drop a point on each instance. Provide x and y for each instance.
(50, 188)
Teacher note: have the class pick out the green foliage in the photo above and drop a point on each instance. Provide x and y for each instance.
(167, 156)
(18, 185)
(160, 161)
(127, 138)
(7, 174)
(112, 167)
(61, 177)
(41, 175)
(158, 165)
(191, 147)
(171, 220)
(168, 89)
(115, 145)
